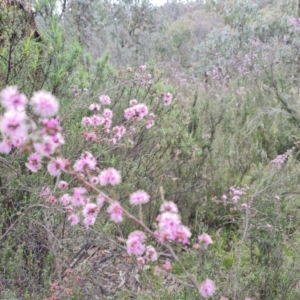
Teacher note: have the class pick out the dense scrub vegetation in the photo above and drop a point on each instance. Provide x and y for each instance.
(222, 82)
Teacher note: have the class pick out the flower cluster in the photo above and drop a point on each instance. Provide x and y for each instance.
(278, 162)
(19, 131)
(170, 227)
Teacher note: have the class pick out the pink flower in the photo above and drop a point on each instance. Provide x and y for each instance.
(167, 266)
(104, 99)
(116, 212)
(51, 199)
(53, 168)
(169, 206)
(224, 298)
(149, 124)
(45, 191)
(11, 99)
(107, 113)
(151, 253)
(137, 112)
(143, 68)
(85, 121)
(86, 160)
(100, 200)
(110, 176)
(74, 220)
(96, 120)
(169, 221)
(207, 288)
(44, 104)
(248, 298)
(51, 126)
(94, 106)
(65, 199)
(245, 206)
(5, 146)
(62, 184)
(133, 102)
(205, 240)
(89, 221)
(13, 124)
(135, 243)
(167, 98)
(139, 197)
(90, 210)
(78, 198)
(34, 162)
(183, 234)
(137, 234)
(107, 123)
(46, 147)
(94, 180)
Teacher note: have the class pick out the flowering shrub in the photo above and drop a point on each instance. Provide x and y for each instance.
(43, 139)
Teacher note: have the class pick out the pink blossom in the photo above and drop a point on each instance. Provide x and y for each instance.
(94, 180)
(224, 298)
(45, 191)
(133, 102)
(167, 266)
(116, 212)
(74, 220)
(94, 106)
(51, 126)
(143, 68)
(183, 234)
(151, 116)
(78, 198)
(137, 112)
(34, 162)
(90, 210)
(51, 199)
(89, 221)
(13, 124)
(44, 104)
(169, 221)
(104, 99)
(139, 197)
(86, 160)
(96, 120)
(68, 209)
(248, 298)
(167, 98)
(45, 147)
(107, 123)
(207, 288)
(205, 240)
(235, 199)
(107, 113)
(11, 99)
(135, 243)
(245, 206)
(149, 124)
(137, 234)
(62, 184)
(140, 261)
(151, 253)
(65, 199)
(100, 200)
(90, 136)
(5, 146)
(85, 121)
(169, 206)
(110, 176)
(53, 168)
